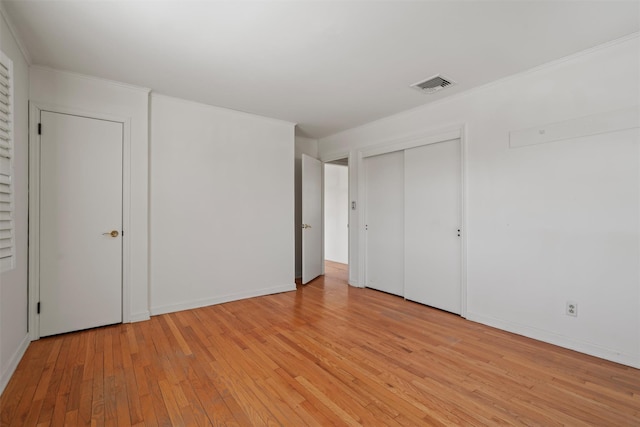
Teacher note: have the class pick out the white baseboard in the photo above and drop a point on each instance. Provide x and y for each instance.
(140, 317)
(355, 284)
(221, 299)
(585, 347)
(13, 363)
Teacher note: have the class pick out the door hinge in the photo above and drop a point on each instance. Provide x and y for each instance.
(39, 128)
(38, 308)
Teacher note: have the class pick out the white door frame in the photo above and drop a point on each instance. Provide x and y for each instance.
(403, 143)
(34, 207)
(325, 160)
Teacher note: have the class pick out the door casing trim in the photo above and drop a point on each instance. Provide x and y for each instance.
(34, 207)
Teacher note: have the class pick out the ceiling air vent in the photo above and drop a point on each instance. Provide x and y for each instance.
(433, 84)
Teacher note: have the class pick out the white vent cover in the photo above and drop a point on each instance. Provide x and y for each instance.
(433, 84)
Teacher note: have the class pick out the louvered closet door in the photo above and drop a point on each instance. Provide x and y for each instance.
(80, 207)
(7, 239)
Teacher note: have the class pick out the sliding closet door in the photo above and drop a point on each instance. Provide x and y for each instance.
(384, 182)
(432, 219)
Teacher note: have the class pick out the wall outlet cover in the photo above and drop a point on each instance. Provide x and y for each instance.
(572, 309)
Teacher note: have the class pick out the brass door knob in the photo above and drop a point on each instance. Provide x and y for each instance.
(113, 233)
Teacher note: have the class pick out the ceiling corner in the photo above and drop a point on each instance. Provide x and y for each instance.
(14, 33)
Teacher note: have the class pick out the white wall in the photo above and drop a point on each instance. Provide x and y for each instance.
(89, 94)
(545, 223)
(309, 147)
(336, 213)
(13, 283)
(222, 205)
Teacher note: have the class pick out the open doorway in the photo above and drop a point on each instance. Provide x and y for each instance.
(336, 215)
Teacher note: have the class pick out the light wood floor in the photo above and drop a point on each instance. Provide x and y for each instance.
(325, 354)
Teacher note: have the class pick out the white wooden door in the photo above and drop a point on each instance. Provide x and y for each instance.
(311, 218)
(384, 223)
(80, 206)
(433, 220)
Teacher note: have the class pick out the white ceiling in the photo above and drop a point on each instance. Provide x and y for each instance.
(327, 66)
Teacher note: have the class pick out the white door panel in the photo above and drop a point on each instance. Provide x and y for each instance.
(432, 220)
(384, 183)
(311, 218)
(80, 199)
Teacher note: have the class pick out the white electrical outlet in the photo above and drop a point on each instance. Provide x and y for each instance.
(572, 309)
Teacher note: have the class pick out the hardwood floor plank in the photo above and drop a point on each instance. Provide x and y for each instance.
(132, 338)
(328, 402)
(97, 392)
(326, 354)
(241, 392)
(177, 335)
(84, 409)
(161, 414)
(71, 418)
(170, 403)
(23, 406)
(49, 404)
(73, 401)
(46, 374)
(32, 416)
(148, 411)
(199, 390)
(133, 396)
(110, 402)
